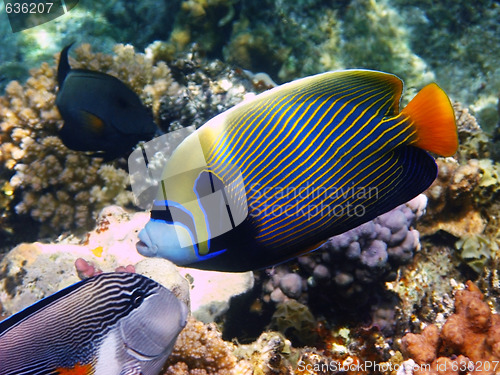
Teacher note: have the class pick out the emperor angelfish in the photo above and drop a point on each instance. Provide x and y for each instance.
(296, 165)
(100, 112)
(110, 324)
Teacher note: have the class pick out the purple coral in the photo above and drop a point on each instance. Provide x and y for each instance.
(353, 260)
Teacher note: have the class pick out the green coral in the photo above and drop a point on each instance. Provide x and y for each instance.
(489, 182)
(451, 37)
(290, 40)
(476, 251)
(294, 320)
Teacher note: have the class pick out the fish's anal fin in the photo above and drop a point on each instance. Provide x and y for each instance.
(78, 369)
(94, 123)
(433, 117)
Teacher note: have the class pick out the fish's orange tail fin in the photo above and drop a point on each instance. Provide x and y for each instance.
(432, 114)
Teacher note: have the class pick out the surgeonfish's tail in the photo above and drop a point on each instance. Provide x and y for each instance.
(63, 68)
(433, 117)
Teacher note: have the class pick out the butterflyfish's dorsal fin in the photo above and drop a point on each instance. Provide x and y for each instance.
(93, 123)
(433, 118)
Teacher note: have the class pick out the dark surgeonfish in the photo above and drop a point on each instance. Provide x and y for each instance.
(100, 112)
(110, 324)
(275, 177)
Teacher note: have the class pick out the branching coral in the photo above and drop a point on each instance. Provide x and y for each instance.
(350, 265)
(65, 189)
(200, 350)
(56, 186)
(469, 341)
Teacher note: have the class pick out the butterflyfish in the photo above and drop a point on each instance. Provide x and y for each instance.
(274, 177)
(100, 112)
(110, 324)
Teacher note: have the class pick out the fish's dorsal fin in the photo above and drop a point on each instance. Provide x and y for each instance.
(378, 91)
(366, 90)
(63, 68)
(31, 310)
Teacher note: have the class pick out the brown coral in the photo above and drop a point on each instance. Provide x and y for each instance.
(469, 341)
(452, 205)
(200, 350)
(54, 185)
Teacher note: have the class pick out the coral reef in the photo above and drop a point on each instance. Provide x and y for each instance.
(469, 340)
(295, 321)
(32, 271)
(292, 40)
(207, 89)
(454, 33)
(351, 265)
(463, 200)
(54, 185)
(200, 350)
(425, 287)
(64, 189)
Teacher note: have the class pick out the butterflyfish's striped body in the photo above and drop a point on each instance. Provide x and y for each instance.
(276, 176)
(110, 324)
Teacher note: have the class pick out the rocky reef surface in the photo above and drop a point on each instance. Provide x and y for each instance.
(392, 293)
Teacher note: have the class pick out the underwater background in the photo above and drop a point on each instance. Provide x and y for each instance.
(394, 291)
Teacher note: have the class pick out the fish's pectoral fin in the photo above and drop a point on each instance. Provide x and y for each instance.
(131, 368)
(78, 369)
(433, 118)
(92, 123)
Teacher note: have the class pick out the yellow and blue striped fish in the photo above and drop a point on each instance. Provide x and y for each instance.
(275, 177)
(110, 324)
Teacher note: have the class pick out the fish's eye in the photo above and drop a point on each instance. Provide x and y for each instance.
(137, 297)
